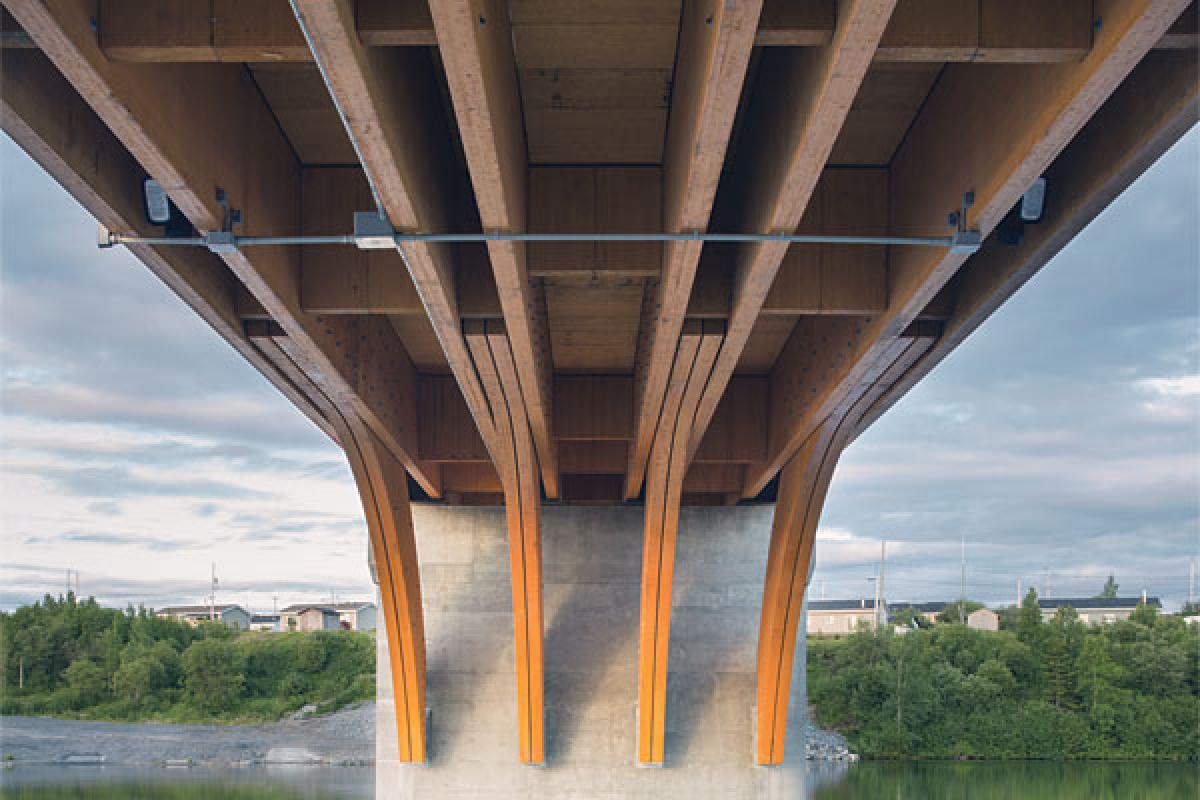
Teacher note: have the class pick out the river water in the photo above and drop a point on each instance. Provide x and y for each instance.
(1040, 780)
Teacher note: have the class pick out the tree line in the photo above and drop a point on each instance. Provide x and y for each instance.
(66, 657)
(1035, 689)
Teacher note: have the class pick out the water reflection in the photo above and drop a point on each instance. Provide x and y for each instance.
(823, 781)
(156, 783)
(1003, 780)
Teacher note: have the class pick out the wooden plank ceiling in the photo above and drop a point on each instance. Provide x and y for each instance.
(597, 88)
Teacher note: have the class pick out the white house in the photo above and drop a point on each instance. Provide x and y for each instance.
(308, 617)
(232, 615)
(358, 616)
(983, 619)
(838, 617)
(1096, 610)
(264, 622)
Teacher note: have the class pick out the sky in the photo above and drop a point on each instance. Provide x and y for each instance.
(1059, 443)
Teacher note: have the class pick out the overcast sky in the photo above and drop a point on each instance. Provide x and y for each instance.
(1061, 440)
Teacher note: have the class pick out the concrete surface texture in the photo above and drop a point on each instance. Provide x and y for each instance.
(592, 563)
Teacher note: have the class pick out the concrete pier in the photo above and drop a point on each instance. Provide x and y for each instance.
(592, 562)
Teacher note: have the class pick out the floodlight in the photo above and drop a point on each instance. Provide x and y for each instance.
(1033, 202)
(158, 205)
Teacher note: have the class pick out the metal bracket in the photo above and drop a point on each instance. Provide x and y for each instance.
(104, 237)
(373, 231)
(224, 241)
(963, 240)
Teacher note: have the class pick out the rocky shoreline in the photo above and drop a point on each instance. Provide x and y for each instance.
(823, 745)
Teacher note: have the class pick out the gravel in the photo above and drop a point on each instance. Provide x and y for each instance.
(343, 738)
(823, 745)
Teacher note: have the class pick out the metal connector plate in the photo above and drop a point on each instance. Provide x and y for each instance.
(372, 231)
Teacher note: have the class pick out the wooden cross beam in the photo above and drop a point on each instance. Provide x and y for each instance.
(993, 31)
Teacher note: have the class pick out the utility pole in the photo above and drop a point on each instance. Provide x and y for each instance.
(212, 597)
(1047, 584)
(1191, 580)
(879, 583)
(962, 584)
(1019, 591)
(822, 582)
(874, 594)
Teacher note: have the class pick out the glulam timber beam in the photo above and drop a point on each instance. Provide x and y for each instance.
(390, 108)
(993, 31)
(969, 136)
(338, 279)
(516, 463)
(799, 112)
(475, 42)
(185, 30)
(698, 346)
(1149, 112)
(802, 487)
(48, 119)
(715, 42)
(383, 490)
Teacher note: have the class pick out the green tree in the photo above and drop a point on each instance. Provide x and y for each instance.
(909, 617)
(1110, 589)
(1144, 615)
(212, 669)
(1029, 622)
(958, 611)
(87, 678)
(1057, 672)
(139, 679)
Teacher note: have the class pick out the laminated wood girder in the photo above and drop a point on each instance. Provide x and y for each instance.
(383, 490)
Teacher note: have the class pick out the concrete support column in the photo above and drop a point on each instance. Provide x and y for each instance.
(592, 574)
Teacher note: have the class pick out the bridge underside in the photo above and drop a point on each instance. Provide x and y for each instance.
(652, 374)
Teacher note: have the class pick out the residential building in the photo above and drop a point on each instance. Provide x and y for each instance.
(308, 617)
(1096, 610)
(264, 622)
(929, 611)
(983, 619)
(232, 615)
(359, 616)
(839, 617)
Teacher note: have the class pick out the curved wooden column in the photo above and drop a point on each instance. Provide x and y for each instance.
(694, 357)
(803, 483)
(383, 488)
(516, 461)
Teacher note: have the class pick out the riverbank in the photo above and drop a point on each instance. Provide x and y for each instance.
(342, 738)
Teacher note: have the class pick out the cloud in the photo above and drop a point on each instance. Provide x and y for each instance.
(111, 482)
